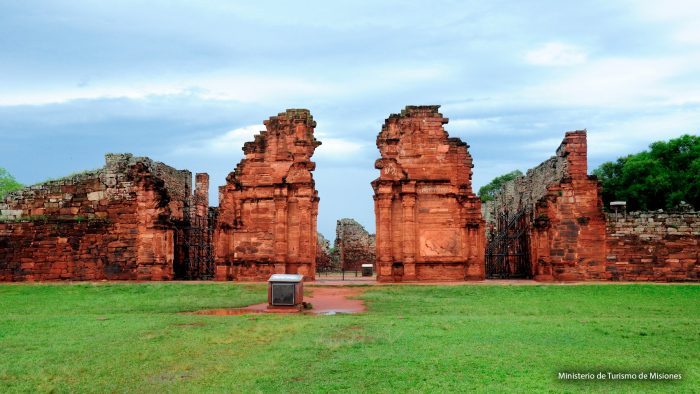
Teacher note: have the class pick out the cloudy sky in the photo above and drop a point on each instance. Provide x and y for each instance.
(187, 83)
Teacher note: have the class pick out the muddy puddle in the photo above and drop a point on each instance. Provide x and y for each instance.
(324, 301)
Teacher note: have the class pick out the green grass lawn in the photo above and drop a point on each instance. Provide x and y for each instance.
(131, 338)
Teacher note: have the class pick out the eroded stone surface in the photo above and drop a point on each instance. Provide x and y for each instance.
(565, 210)
(268, 207)
(429, 223)
(653, 246)
(354, 245)
(571, 239)
(324, 262)
(117, 222)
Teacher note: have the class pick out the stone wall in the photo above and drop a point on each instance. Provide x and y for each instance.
(565, 214)
(429, 222)
(653, 246)
(570, 238)
(269, 205)
(526, 191)
(113, 223)
(354, 244)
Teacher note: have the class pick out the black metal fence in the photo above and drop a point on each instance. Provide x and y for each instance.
(508, 249)
(194, 254)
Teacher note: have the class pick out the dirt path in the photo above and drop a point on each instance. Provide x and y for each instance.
(324, 301)
(332, 300)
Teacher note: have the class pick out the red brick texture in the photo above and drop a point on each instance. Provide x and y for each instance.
(571, 239)
(429, 223)
(269, 205)
(568, 234)
(653, 246)
(112, 223)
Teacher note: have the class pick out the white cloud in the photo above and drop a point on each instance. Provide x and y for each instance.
(231, 142)
(680, 16)
(231, 86)
(465, 124)
(556, 54)
(338, 149)
(545, 145)
(228, 143)
(619, 82)
(241, 88)
(618, 138)
(689, 34)
(470, 127)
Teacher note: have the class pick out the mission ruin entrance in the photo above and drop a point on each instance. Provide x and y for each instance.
(138, 219)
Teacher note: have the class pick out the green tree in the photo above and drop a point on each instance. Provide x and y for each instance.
(658, 178)
(488, 192)
(7, 183)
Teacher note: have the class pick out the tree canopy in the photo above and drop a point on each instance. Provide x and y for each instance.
(488, 192)
(658, 178)
(7, 183)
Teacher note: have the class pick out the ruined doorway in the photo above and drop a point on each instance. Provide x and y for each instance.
(194, 255)
(507, 251)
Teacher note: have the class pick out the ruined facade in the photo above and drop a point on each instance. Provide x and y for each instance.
(565, 221)
(268, 207)
(570, 238)
(429, 223)
(118, 222)
(354, 244)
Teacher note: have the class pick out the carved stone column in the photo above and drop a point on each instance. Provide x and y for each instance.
(384, 257)
(280, 229)
(408, 202)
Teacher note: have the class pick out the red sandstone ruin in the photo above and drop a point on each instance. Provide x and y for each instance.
(429, 224)
(563, 226)
(118, 222)
(137, 219)
(354, 245)
(269, 205)
(566, 236)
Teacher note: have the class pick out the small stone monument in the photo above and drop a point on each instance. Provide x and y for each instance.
(285, 291)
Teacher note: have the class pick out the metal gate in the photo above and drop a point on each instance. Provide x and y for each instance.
(508, 249)
(194, 255)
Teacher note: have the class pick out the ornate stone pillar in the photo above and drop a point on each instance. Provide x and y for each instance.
(408, 202)
(304, 229)
(313, 236)
(384, 257)
(280, 228)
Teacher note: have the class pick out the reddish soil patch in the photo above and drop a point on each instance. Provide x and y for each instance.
(332, 300)
(325, 301)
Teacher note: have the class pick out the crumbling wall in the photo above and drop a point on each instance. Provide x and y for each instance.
(653, 246)
(354, 244)
(324, 262)
(111, 223)
(429, 222)
(525, 191)
(269, 205)
(565, 211)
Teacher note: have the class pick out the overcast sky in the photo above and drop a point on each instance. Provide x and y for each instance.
(187, 83)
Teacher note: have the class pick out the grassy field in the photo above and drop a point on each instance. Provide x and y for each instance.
(131, 338)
